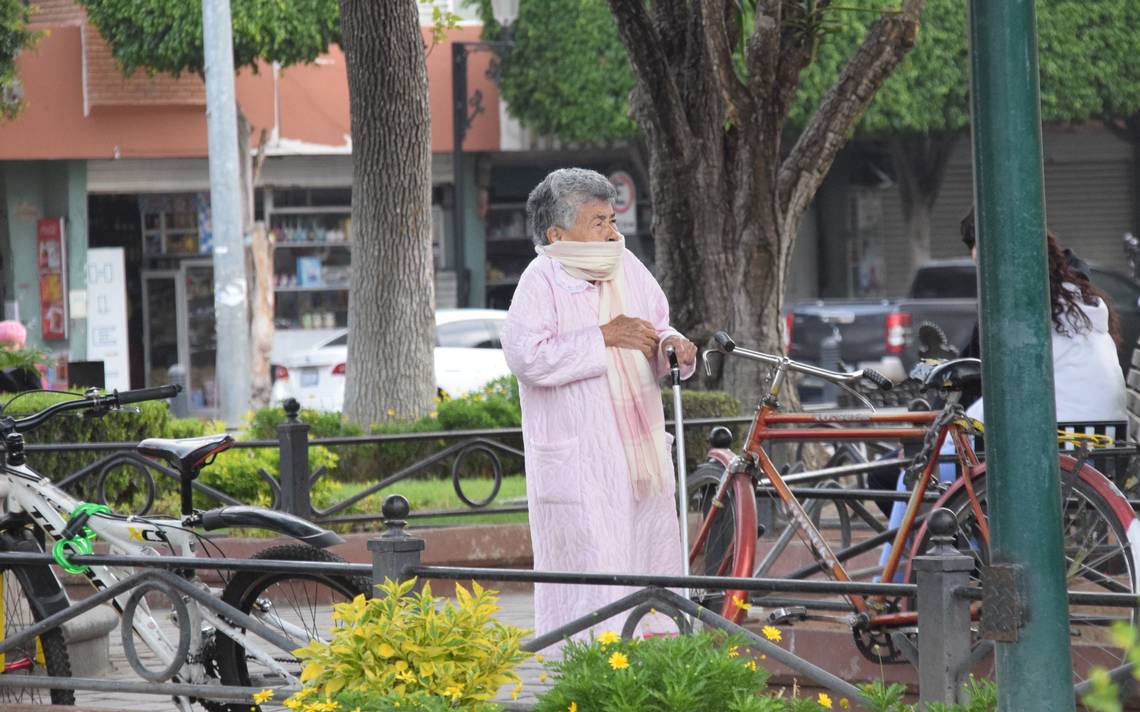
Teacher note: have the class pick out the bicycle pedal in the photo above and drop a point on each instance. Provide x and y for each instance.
(791, 614)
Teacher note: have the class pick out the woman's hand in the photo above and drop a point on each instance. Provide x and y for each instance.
(686, 350)
(626, 332)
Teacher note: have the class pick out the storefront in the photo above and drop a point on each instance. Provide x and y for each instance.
(304, 201)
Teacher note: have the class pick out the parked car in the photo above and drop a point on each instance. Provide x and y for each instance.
(879, 333)
(467, 355)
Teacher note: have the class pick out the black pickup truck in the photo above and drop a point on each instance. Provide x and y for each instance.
(880, 333)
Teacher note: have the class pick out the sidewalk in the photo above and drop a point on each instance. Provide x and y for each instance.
(516, 609)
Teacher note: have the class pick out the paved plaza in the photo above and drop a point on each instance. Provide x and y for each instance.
(517, 609)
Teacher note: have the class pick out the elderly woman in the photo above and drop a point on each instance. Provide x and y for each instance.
(586, 336)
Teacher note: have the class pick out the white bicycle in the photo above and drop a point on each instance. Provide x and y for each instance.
(284, 609)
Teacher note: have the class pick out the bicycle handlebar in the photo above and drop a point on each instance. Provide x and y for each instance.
(726, 345)
(91, 402)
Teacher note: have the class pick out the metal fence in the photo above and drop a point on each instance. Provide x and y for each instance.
(943, 655)
(291, 486)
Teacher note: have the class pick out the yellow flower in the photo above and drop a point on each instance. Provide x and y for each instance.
(515, 692)
(355, 709)
(733, 651)
(573, 707)
(763, 657)
(454, 692)
(824, 701)
(391, 412)
(542, 677)
(263, 696)
(741, 603)
(434, 414)
(844, 703)
(608, 637)
(751, 665)
(406, 676)
(539, 657)
(618, 661)
(772, 633)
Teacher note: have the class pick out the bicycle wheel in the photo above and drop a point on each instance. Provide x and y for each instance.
(45, 656)
(298, 606)
(730, 546)
(1099, 556)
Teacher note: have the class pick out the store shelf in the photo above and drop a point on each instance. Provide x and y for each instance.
(310, 243)
(311, 289)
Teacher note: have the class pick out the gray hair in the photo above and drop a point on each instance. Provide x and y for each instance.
(555, 201)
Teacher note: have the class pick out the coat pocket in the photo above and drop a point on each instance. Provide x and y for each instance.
(554, 471)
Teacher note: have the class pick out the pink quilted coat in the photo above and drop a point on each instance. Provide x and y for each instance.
(583, 515)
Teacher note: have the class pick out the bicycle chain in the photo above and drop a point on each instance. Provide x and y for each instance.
(949, 414)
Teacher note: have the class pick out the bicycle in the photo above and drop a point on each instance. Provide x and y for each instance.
(209, 650)
(1100, 529)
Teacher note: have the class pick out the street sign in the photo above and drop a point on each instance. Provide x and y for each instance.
(625, 205)
(107, 338)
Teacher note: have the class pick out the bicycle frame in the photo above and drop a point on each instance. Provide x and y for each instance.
(26, 492)
(754, 464)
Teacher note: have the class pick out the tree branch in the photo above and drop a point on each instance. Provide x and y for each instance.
(886, 43)
(651, 67)
(762, 50)
(732, 90)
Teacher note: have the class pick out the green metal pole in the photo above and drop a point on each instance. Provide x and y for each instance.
(1035, 672)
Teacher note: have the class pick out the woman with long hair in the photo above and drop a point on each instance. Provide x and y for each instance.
(1087, 379)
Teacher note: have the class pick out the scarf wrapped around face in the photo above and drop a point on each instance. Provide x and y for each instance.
(633, 389)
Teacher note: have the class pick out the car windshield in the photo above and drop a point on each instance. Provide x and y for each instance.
(468, 334)
(341, 340)
(957, 282)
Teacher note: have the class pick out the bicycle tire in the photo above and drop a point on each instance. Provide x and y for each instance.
(248, 588)
(19, 613)
(730, 547)
(1101, 542)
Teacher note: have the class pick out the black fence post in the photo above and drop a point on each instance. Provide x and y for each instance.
(943, 613)
(394, 551)
(293, 439)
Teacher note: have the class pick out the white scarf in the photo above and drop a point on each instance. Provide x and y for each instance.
(633, 389)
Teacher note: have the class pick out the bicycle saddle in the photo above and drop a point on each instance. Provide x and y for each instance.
(954, 375)
(186, 453)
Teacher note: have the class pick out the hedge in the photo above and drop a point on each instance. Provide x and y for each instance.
(235, 472)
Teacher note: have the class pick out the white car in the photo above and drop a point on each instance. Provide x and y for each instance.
(467, 356)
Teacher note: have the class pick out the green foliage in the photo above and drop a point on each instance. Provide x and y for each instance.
(701, 404)
(381, 701)
(163, 36)
(1105, 694)
(14, 37)
(567, 73)
(1089, 58)
(236, 472)
(981, 693)
(415, 644)
(662, 674)
(1089, 53)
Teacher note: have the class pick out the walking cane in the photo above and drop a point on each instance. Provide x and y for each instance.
(679, 441)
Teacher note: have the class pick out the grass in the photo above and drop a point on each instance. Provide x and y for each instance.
(435, 495)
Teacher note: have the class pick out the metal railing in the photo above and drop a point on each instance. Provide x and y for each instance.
(943, 654)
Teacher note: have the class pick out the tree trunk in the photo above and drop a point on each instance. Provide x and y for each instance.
(920, 166)
(728, 198)
(259, 268)
(261, 315)
(390, 369)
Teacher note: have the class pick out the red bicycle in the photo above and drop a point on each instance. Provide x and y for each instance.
(1100, 528)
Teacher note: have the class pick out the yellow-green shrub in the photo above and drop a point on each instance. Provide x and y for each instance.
(410, 644)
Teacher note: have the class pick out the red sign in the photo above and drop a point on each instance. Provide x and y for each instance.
(51, 263)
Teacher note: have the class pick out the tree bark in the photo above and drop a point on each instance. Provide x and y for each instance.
(390, 370)
(728, 199)
(261, 315)
(920, 166)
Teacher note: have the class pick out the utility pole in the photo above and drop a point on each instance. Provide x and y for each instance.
(1034, 669)
(230, 304)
